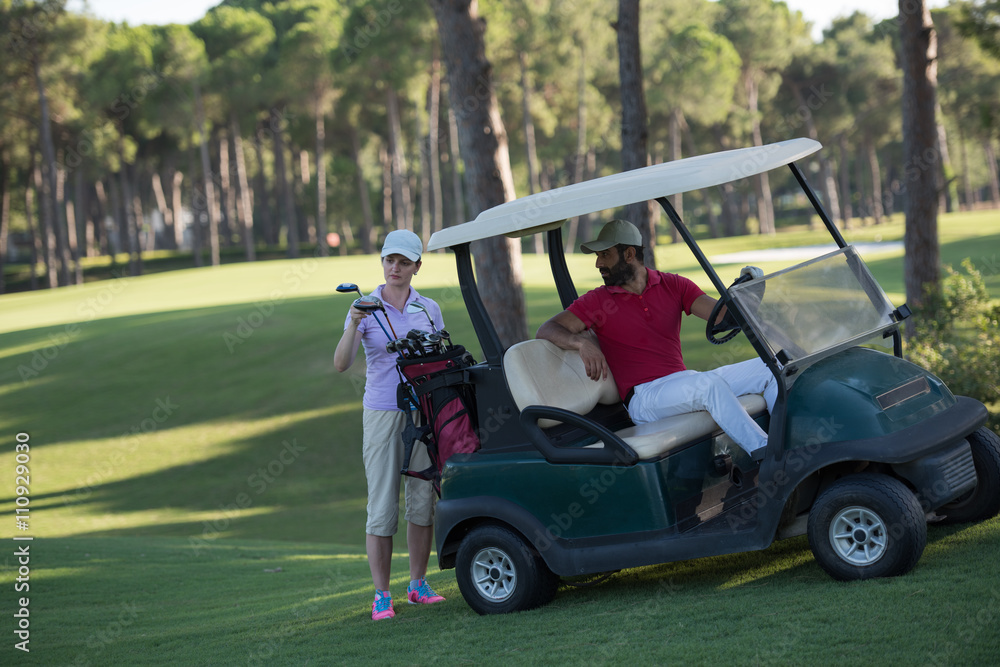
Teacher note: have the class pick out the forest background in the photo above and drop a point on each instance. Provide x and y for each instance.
(269, 129)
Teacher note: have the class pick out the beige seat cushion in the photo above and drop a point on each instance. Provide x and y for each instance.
(653, 440)
(539, 373)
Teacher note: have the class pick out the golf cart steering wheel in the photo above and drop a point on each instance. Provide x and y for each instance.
(724, 331)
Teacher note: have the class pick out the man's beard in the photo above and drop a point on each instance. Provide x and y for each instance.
(619, 274)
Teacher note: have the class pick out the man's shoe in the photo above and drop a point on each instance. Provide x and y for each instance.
(422, 594)
(382, 607)
(758, 454)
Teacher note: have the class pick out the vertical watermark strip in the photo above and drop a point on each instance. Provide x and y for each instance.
(22, 552)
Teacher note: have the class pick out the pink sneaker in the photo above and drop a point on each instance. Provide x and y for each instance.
(422, 594)
(382, 607)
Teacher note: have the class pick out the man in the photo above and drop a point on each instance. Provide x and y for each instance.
(636, 317)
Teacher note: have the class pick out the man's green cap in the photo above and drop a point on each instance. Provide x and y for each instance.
(613, 233)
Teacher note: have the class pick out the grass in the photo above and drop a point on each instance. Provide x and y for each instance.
(197, 494)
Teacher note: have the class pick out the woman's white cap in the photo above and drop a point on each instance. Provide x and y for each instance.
(403, 242)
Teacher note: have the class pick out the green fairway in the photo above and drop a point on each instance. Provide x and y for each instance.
(197, 493)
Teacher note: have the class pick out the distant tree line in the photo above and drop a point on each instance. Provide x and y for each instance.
(318, 125)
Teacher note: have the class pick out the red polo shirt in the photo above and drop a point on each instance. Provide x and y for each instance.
(640, 334)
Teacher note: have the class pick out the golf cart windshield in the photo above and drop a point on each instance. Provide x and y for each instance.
(817, 308)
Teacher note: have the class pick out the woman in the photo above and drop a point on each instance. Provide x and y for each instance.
(383, 424)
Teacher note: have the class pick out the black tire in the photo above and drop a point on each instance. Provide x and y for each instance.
(499, 573)
(983, 502)
(867, 526)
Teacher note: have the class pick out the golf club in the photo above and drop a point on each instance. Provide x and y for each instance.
(416, 307)
(368, 304)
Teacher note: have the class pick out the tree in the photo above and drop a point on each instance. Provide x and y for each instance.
(918, 57)
(767, 36)
(236, 42)
(692, 74)
(980, 20)
(483, 142)
(635, 133)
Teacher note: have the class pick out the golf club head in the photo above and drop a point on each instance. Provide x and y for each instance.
(415, 307)
(368, 304)
(343, 288)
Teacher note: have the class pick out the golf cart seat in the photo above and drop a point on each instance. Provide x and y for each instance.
(540, 373)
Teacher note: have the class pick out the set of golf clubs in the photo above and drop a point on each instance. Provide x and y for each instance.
(415, 343)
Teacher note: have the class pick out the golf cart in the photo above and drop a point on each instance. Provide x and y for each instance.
(863, 446)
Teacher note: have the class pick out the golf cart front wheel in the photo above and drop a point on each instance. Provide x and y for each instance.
(499, 573)
(867, 526)
(982, 502)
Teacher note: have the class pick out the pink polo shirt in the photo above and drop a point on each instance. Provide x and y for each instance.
(639, 333)
(381, 377)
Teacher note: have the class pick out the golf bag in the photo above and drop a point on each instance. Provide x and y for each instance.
(440, 389)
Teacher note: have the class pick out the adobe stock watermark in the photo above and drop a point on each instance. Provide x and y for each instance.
(109, 634)
(127, 444)
(377, 21)
(264, 651)
(257, 482)
(262, 311)
(88, 310)
(796, 460)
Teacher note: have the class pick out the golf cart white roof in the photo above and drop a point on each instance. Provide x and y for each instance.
(539, 211)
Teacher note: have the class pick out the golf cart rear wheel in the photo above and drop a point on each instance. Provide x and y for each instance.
(498, 572)
(983, 502)
(867, 526)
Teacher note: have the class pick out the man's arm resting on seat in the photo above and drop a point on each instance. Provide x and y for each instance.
(568, 332)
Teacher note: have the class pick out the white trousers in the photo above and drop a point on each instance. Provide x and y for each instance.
(715, 391)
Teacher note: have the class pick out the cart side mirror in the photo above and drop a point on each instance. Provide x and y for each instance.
(901, 313)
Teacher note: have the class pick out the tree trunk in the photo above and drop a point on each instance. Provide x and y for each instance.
(140, 220)
(244, 207)
(964, 156)
(674, 128)
(321, 229)
(206, 170)
(991, 165)
(47, 191)
(456, 162)
(76, 213)
(876, 173)
(101, 234)
(580, 156)
(529, 140)
(918, 59)
(947, 190)
(762, 184)
(425, 180)
(386, 162)
(62, 227)
(434, 140)
(197, 209)
(284, 190)
(128, 236)
(307, 222)
(161, 202)
(400, 188)
(634, 131)
(4, 214)
(368, 221)
(227, 195)
(846, 212)
(177, 206)
(483, 142)
(864, 202)
(29, 211)
(829, 186)
(263, 207)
